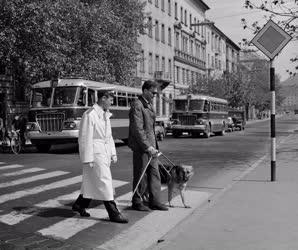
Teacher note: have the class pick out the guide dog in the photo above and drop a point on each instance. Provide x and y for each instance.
(176, 177)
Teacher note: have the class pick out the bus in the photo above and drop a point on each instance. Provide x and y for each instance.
(199, 115)
(57, 106)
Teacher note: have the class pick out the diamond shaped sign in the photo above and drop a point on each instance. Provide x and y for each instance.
(271, 39)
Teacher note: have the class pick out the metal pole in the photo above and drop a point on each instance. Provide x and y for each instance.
(273, 139)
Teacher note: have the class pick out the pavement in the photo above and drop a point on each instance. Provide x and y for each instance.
(252, 213)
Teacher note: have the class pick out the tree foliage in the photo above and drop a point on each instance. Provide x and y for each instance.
(284, 12)
(91, 39)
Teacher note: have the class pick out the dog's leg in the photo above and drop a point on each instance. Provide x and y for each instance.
(170, 193)
(182, 194)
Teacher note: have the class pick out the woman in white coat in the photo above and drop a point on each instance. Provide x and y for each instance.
(97, 150)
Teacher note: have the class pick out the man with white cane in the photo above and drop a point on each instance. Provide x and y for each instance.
(143, 143)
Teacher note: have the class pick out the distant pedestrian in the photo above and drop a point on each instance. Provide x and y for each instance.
(142, 141)
(97, 150)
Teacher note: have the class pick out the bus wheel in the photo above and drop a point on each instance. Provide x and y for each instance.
(176, 134)
(223, 131)
(43, 148)
(207, 132)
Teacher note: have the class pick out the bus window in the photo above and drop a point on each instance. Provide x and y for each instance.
(64, 96)
(82, 97)
(91, 97)
(131, 97)
(181, 105)
(41, 97)
(206, 106)
(122, 100)
(115, 102)
(196, 104)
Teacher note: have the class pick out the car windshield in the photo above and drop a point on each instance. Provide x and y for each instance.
(41, 97)
(196, 104)
(64, 96)
(181, 105)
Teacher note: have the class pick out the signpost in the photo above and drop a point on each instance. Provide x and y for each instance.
(271, 39)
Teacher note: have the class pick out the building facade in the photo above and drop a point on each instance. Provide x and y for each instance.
(180, 48)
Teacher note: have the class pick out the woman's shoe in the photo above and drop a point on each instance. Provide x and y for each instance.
(82, 211)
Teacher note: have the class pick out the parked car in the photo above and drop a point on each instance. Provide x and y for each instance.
(238, 117)
(160, 130)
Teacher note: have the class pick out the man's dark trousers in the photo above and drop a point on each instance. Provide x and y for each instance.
(150, 180)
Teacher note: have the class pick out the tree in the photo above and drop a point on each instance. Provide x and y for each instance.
(284, 12)
(92, 39)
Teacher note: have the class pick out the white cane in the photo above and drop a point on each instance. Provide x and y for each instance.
(144, 171)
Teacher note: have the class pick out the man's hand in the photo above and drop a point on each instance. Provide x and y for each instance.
(152, 151)
(89, 164)
(114, 158)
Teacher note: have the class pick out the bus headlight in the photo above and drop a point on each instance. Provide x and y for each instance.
(31, 126)
(69, 125)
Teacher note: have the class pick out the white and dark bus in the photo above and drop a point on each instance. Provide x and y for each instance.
(199, 115)
(56, 108)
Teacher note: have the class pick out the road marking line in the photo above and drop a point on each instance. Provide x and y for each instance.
(39, 189)
(32, 179)
(68, 227)
(16, 217)
(24, 171)
(11, 166)
(1, 162)
(155, 225)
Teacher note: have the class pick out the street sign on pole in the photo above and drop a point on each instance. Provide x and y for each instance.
(271, 39)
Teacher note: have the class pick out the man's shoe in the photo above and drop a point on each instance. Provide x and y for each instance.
(82, 211)
(159, 206)
(118, 218)
(140, 207)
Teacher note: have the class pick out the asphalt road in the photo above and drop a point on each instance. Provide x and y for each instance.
(216, 161)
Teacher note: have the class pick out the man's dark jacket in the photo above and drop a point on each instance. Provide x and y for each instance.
(141, 126)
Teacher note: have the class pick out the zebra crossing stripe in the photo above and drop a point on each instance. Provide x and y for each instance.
(11, 166)
(16, 217)
(154, 225)
(24, 171)
(39, 189)
(68, 227)
(2, 162)
(32, 179)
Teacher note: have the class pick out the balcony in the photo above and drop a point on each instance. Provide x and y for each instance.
(189, 59)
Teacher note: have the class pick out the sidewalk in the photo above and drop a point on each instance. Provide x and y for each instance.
(251, 214)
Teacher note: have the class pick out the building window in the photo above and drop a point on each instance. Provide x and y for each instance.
(156, 62)
(163, 5)
(171, 103)
(150, 64)
(195, 21)
(157, 104)
(142, 62)
(169, 7)
(156, 3)
(181, 14)
(150, 27)
(163, 33)
(191, 47)
(163, 64)
(190, 21)
(156, 31)
(170, 68)
(187, 77)
(183, 76)
(169, 36)
(185, 17)
(176, 10)
(164, 104)
(177, 40)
